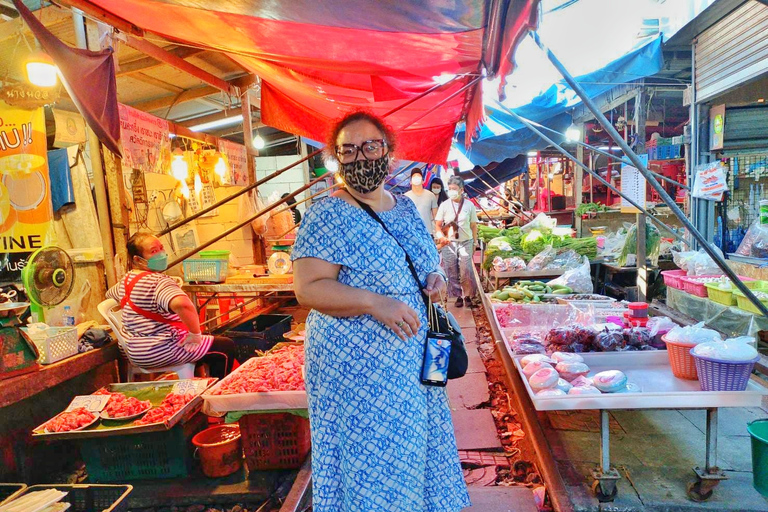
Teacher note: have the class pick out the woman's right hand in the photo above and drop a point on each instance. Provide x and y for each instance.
(397, 315)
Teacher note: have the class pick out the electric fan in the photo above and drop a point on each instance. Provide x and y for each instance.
(48, 278)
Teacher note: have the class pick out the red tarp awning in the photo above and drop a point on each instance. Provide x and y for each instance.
(320, 59)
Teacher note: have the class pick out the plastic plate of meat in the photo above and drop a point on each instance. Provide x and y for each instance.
(71, 421)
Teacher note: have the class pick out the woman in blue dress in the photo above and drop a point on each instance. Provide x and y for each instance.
(381, 440)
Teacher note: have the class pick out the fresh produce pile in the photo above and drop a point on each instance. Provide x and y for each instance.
(529, 292)
(170, 405)
(590, 207)
(72, 420)
(652, 244)
(276, 371)
(509, 243)
(584, 339)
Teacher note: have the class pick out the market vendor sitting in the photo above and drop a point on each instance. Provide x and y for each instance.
(160, 325)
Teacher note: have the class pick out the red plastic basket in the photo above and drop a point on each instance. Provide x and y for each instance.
(690, 285)
(681, 360)
(672, 278)
(274, 440)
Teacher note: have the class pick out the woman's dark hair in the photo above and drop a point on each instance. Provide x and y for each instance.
(136, 242)
(289, 202)
(442, 196)
(361, 115)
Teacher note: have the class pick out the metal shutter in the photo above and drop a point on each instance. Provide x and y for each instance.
(732, 51)
(746, 128)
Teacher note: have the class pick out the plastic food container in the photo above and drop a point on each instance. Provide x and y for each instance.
(55, 343)
(672, 278)
(744, 303)
(726, 297)
(214, 255)
(694, 287)
(681, 359)
(638, 309)
(205, 270)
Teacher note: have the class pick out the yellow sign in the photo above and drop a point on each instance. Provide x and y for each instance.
(25, 191)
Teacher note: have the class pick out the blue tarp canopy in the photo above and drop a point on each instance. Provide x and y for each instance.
(493, 174)
(502, 137)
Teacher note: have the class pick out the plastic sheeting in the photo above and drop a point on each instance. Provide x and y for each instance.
(504, 137)
(732, 321)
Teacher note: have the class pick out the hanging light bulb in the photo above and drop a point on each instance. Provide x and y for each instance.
(41, 70)
(258, 142)
(179, 167)
(573, 133)
(221, 167)
(184, 190)
(198, 185)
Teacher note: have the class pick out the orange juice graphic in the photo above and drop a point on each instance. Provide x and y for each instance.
(25, 193)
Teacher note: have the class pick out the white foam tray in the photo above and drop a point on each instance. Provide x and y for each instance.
(659, 388)
(270, 400)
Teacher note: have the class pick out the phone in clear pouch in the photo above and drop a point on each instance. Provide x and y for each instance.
(434, 368)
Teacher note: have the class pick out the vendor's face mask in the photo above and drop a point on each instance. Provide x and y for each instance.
(157, 262)
(453, 194)
(365, 176)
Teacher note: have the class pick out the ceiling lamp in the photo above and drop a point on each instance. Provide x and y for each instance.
(221, 167)
(41, 70)
(258, 142)
(179, 167)
(573, 133)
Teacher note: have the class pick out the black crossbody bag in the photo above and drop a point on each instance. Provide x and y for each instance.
(440, 320)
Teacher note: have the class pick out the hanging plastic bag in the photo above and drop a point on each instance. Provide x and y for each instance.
(710, 182)
(652, 244)
(701, 264)
(542, 222)
(250, 203)
(577, 279)
(755, 242)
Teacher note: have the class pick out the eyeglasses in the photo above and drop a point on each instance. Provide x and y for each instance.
(372, 149)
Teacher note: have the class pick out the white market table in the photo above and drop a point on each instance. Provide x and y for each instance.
(660, 389)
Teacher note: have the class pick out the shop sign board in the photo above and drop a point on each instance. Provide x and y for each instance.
(237, 157)
(28, 96)
(146, 140)
(26, 211)
(70, 128)
(716, 127)
(633, 185)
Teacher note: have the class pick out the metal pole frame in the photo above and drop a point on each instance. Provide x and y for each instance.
(608, 127)
(596, 175)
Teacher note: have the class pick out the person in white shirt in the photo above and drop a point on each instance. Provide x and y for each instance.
(425, 201)
(456, 228)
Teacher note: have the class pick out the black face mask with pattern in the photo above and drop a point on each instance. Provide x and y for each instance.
(365, 176)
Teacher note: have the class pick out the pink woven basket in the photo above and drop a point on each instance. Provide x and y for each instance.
(672, 278)
(694, 287)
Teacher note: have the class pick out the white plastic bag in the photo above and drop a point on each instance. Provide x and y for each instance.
(578, 279)
(542, 222)
(541, 260)
(694, 334)
(702, 265)
(658, 324)
(710, 182)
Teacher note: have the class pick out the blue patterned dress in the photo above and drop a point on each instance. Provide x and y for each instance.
(381, 441)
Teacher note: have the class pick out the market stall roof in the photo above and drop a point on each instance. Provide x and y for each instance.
(482, 178)
(503, 137)
(318, 60)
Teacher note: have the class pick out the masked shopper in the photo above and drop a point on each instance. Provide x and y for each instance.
(425, 200)
(159, 322)
(381, 440)
(456, 226)
(437, 188)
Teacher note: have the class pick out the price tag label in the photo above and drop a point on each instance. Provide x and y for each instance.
(190, 386)
(93, 403)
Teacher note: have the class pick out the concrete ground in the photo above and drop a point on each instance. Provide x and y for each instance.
(476, 436)
(655, 452)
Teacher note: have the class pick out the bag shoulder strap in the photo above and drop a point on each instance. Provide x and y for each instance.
(127, 301)
(408, 260)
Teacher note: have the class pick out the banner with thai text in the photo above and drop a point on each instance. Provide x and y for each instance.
(146, 141)
(26, 213)
(237, 158)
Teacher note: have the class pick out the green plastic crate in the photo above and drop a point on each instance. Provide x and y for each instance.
(123, 458)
